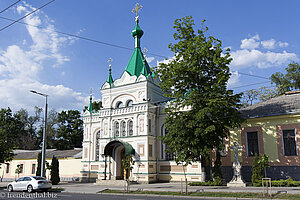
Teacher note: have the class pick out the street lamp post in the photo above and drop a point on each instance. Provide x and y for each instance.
(44, 134)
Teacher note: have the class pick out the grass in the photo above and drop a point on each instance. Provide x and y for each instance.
(210, 194)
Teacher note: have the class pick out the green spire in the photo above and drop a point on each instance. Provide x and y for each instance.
(90, 108)
(110, 79)
(137, 64)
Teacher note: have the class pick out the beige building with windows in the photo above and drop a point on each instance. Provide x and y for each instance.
(272, 128)
(69, 164)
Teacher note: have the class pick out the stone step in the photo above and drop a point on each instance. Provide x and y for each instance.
(110, 182)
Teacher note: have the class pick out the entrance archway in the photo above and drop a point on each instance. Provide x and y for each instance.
(117, 150)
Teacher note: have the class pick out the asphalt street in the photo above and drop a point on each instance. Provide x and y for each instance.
(78, 196)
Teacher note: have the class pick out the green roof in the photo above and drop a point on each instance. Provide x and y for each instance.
(109, 78)
(137, 64)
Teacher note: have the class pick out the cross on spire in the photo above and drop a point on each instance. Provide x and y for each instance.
(144, 52)
(136, 10)
(109, 62)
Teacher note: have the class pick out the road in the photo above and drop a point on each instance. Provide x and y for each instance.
(77, 196)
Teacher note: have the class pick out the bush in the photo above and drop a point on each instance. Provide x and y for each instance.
(285, 183)
(257, 172)
(258, 168)
(55, 171)
(216, 182)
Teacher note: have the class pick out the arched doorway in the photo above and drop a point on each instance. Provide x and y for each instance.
(117, 150)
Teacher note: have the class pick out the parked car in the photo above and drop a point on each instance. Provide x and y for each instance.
(29, 183)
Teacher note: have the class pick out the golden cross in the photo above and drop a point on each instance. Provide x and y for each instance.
(109, 61)
(144, 51)
(136, 10)
(91, 91)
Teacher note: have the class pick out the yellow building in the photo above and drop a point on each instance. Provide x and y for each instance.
(69, 164)
(272, 128)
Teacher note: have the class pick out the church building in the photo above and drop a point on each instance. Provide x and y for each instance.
(130, 123)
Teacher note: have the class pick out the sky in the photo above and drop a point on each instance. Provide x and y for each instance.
(263, 37)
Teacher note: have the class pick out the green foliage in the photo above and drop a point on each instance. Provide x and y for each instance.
(97, 105)
(39, 164)
(18, 170)
(10, 131)
(54, 171)
(258, 167)
(289, 81)
(28, 138)
(260, 94)
(202, 110)
(128, 162)
(70, 130)
(207, 183)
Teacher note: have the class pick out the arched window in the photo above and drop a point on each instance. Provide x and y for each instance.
(130, 127)
(123, 128)
(129, 103)
(168, 155)
(117, 132)
(97, 157)
(119, 104)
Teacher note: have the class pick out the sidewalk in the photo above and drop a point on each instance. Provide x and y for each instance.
(172, 187)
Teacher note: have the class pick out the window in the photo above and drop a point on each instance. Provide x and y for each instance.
(27, 179)
(119, 105)
(129, 103)
(149, 125)
(97, 146)
(7, 167)
(252, 143)
(150, 150)
(130, 127)
(117, 132)
(123, 128)
(289, 142)
(33, 169)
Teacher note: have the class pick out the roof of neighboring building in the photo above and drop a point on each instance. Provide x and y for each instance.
(33, 154)
(288, 103)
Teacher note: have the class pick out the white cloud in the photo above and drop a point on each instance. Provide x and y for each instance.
(269, 44)
(250, 43)
(234, 79)
(150, 59)
(20, 67)
(283, 44)
(247, 58)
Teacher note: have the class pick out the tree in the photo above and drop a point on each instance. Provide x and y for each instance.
(39, 164)
(28, 138)
(289, 81)
(70, 130)
(54, 171)
(202, 109)
(10, 130)
(261, 94)
(128, 163)
(96, 106)
(52, 125)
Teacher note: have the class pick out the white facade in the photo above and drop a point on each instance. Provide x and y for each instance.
(131, 122)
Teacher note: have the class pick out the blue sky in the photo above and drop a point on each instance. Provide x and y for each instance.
(263, 37)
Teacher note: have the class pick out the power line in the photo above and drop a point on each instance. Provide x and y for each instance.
(10, 6)
(253, 75)
(26, 15)
(251, 84)
(101, 42)
(80, 37)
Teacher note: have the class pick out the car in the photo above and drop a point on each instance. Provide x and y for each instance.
(29, 183)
